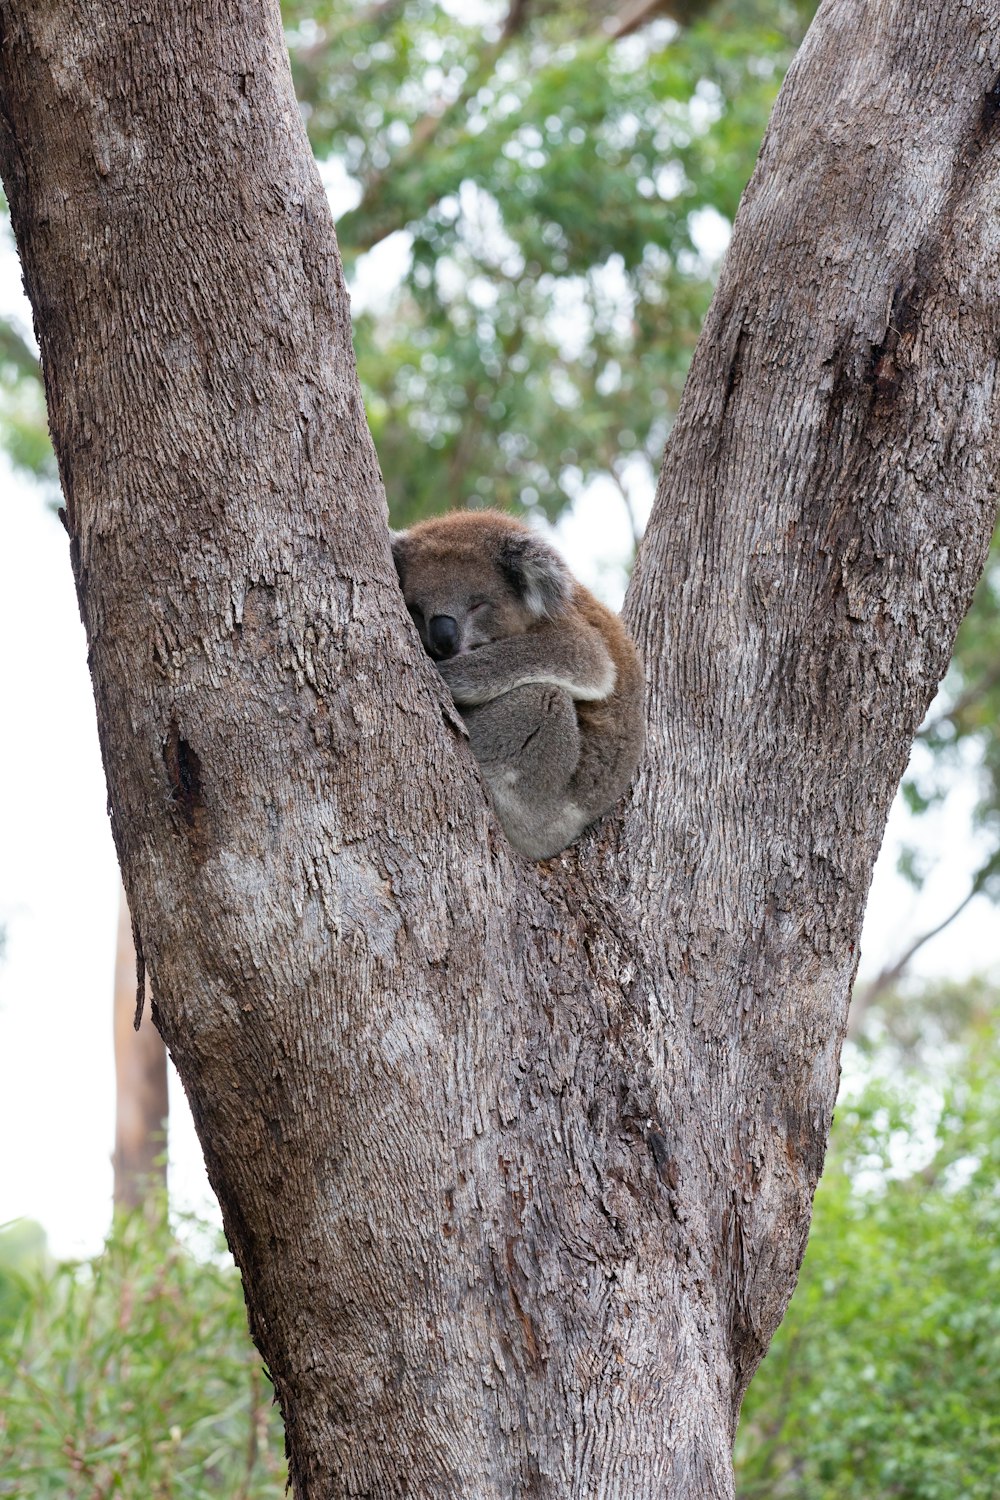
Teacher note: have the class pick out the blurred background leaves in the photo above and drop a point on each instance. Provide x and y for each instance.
(132, 1374)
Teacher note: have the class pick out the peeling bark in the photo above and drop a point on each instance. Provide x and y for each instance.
(516, 1161)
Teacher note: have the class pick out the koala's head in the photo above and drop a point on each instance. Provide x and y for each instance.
(472, 577)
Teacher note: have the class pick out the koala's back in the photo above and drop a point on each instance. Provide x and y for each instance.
(612, 729)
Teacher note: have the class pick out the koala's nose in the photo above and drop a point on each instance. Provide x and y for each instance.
(443, 631)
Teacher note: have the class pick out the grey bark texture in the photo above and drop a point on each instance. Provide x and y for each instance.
(516, 1160)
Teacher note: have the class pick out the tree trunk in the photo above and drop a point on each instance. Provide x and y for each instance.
(141, 1101)
(517, 1161)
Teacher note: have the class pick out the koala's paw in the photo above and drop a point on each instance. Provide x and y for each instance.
(460, 678)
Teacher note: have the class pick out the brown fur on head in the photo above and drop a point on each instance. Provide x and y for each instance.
(489, 573)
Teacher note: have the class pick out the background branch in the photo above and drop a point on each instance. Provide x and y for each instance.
(865, 996)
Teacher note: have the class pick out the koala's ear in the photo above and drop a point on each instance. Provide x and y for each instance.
(398, 541)
(538, 574)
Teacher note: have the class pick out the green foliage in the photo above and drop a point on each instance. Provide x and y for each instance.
(24, 431)
(912, 864)
(24, 426)
(550, 183)
(132, 1375)
(923, 1030)
(882, 1378)
(22, 1255)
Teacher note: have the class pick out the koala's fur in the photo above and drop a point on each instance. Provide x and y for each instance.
(547, 681)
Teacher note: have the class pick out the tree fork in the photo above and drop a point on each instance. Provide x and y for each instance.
(516, 1161)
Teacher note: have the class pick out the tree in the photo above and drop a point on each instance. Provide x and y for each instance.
(880, 1379)
(516, 1161)
(460, 355)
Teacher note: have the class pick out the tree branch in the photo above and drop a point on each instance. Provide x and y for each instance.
(635, 530)
(973, 694)
(887, 977)
(365, 226)
(371, 221)
(793, 628)
(636, 14)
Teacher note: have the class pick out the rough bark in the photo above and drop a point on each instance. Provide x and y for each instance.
(517, 1161)
(141, 1099)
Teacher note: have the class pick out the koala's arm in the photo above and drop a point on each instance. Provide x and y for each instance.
(567, 654)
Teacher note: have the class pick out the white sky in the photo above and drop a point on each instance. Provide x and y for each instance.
(59, 883)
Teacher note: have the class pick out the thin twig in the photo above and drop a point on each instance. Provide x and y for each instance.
(635, 14)
(422, 135)
(633, 521)
(863, 999)
(973, 694)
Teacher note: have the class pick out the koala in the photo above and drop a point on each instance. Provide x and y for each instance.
(545, 678)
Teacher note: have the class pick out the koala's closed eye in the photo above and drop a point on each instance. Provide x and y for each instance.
(546, 679)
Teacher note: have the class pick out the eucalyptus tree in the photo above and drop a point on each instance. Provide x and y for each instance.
(516, 1161)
